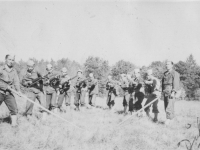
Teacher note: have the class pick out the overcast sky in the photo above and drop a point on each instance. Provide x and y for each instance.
(139, 32)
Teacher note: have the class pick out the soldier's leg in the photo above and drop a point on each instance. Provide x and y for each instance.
(155, 110)
(48, 101)
(108, 99)
(93, 100)
(170, 109)
(112, 102)
(12, 106)
(29, 105)
(42, 101)
(82, 97)
(147, 109)
(60, 100)
(53, 101)
(77, 98)
(68, 98)
(140, 98)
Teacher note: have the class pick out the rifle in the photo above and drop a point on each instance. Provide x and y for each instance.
(65, 86)
(34, 81)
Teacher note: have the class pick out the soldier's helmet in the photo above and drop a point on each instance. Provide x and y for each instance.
(80, 71)
(30, 63)
(64, 70)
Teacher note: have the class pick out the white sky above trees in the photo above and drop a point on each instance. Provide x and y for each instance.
(139, 32)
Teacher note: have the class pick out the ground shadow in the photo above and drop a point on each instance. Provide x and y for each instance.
(5, 120)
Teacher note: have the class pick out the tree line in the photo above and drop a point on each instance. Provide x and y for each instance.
(189, 71)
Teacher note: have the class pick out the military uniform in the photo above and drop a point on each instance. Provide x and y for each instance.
(51, 92)
(170, 83)
(112, 93)
(152, 90)
(34, 91)
(67, 93)
(139, 94)
(126, 94)
(80, 87)
(9, 77)
(93, 91)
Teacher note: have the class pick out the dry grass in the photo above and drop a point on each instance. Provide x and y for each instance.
(100, 130)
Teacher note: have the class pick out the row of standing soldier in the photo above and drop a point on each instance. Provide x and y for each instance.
(54, 85)
(135, 89)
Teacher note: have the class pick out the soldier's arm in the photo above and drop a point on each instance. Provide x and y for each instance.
(16, 82)
(3, 85)
(176, 82)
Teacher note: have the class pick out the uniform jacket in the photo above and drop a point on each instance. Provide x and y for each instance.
(9, 77)
(27, 76)
(93, 86)
(50, 76)
(171, 79)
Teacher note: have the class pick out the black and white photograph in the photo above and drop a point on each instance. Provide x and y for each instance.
(99, 75)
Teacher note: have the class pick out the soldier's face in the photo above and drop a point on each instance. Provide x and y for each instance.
(64, 73)
(149, 77)
(137, 74)
(30, 68)
(10, 61)
(49, 69)
(79, 74)
(169, 65)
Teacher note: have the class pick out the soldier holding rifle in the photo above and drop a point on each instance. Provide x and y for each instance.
(65, 90)
(81, 88)
(153, 92)
(112, 92)
(93, 89)
(126, 94)
(51, 87)
(32, 80)
(9, 79)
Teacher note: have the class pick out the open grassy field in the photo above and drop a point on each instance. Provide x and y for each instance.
(100, 131)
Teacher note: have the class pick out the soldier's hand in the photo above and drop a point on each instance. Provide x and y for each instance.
(9, 88)
(60, 86)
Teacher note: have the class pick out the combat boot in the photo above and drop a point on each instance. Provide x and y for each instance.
(44, 116)
(14, 120)
(155, 119)
(67, 108)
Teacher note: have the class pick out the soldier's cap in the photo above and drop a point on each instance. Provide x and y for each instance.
(11, 55)
(137, 70)
(80, 71)
(30, 63)
(149, 72)
(64, 70)
(49, 66)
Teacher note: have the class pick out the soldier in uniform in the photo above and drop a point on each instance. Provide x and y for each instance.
(9, 79)
(50, 88)
(170, 87)
(126, 95)
(131, 90)
(81, 87)
(93, 89)
(153, 90)
(112, 92)
(34, 90)
(139, 90)
(65, 94)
